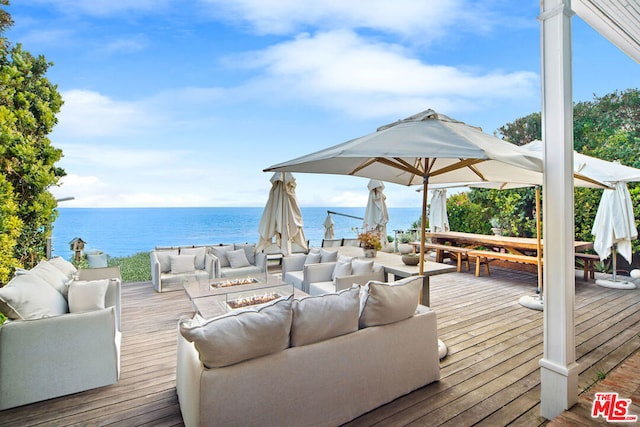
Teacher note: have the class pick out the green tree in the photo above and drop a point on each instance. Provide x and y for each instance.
(606, 127)
(466, 216)
(28, 107)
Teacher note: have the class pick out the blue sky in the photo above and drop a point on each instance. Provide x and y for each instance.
(184, 103)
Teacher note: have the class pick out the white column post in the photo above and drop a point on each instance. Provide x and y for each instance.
(559, 375)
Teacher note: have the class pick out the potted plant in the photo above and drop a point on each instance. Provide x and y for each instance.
(496, 227)
(370, 241)
(411, 259)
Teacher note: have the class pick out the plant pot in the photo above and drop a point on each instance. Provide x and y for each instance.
(410, 259)
(369, 252)
(405, 248)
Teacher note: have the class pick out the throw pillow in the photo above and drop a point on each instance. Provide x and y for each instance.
(249, 250)
(242, 334)
(87, 295)
(385, 303)
(341, 269)
(326, 316)
(63, 265)
(313, 258)
(27, 296)
(360, 266)
(164, 258)
(183, 264)
(238, 258)
(221, 253)
(53, 276)
(342, 258)
(328, 256)
(199, 253)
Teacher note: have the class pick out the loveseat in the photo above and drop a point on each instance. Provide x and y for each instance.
(308, 361)
(62, 335)
(324, 271)
(174, 265)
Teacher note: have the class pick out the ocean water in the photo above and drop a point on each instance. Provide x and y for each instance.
(126, 231)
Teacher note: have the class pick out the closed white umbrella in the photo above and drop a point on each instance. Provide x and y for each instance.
(438, 218)
(614, 228)
(376, 215)
(282, 217)
(329, 232)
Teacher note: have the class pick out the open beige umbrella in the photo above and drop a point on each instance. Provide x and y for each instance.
(281, 217)
(427, 147)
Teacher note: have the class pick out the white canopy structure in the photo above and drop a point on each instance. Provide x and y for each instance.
(617, 21)
(427, 147)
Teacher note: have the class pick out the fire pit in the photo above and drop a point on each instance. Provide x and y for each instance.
(235, 282)
(252, 300)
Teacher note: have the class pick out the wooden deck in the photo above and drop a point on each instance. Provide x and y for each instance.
(490, 377)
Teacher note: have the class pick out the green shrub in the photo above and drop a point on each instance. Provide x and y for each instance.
(467, 217)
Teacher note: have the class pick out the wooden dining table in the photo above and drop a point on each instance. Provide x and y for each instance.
(514, 245)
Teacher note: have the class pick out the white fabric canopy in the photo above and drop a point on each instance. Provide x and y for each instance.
(376, 215)
(438, 218)
(593, 167)
(281, 217)
(425, 148)
(614, 223)
(329, 232)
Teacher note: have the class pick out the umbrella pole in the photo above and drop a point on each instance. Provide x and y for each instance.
(423, 222)
(614, 259)
(539, 242)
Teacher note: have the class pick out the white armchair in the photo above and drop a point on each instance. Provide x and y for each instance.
(47, 357)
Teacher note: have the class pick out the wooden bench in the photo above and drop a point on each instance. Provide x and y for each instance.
(484, 257)
(589, 260)
(460, 254)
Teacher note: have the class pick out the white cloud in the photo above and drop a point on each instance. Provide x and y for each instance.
(428, 20)
(131, 44)
(365, 78)
(88, 113)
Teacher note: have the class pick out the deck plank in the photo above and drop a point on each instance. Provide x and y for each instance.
(490, 377)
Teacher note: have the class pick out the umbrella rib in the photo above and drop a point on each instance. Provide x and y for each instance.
(463, 163)
(401, 164)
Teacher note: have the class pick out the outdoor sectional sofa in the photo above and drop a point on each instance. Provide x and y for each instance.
(323, 271)
(62, 335)
(174, 265)
(308, 361)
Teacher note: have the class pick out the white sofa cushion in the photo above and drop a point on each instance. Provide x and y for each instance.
(87, 295)
(63, 265)
(249, 251)
(221, 253)
(328, 256)
(164, 258)
(319, 318)
(238, 258)
(27, 297)
(182, 264)
(199, 254)
(242, 334)
(384, 303)
(360, 266)
(52, 275)
(341, 269)
(313, 258)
